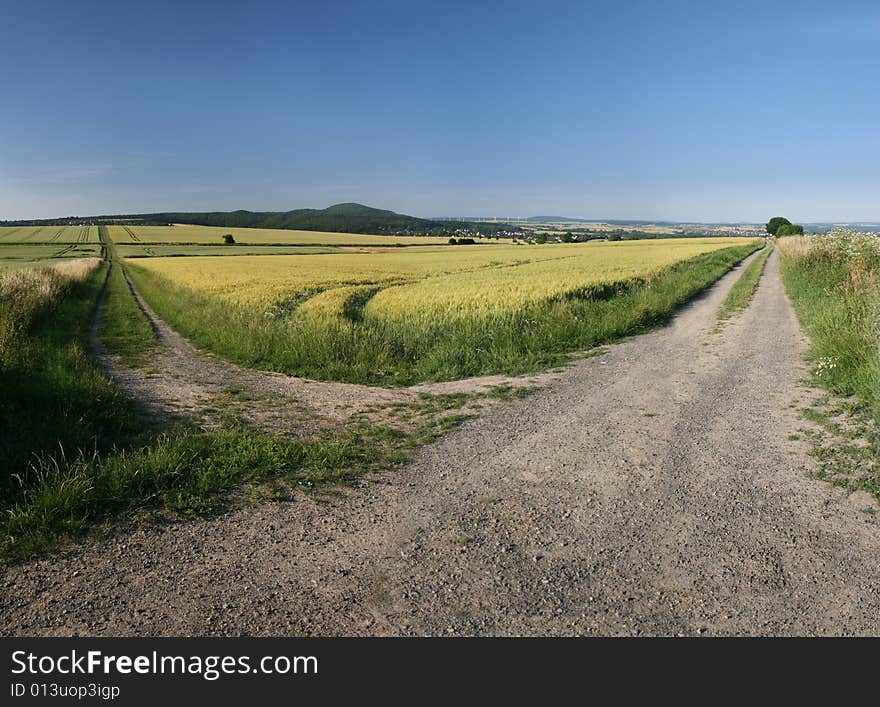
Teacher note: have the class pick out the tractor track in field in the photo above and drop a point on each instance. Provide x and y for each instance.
(657, 489)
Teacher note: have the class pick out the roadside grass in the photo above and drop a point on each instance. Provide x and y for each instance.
(404, 353)
(185, 473)
(123, 328)
(744, 288)
(837, 299)
(53, 397)
(847, 453)
(833, 283)
(77, 457)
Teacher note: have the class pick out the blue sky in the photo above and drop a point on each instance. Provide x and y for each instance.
(657, 110)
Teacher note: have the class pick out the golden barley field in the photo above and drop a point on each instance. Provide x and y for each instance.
(587, 270)
(429, 283)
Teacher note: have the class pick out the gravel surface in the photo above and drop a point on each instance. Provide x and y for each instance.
(652, 490)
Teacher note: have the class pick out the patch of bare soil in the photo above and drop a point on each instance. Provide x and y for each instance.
(658, 489)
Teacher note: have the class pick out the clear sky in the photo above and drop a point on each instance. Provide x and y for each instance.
(702, 110)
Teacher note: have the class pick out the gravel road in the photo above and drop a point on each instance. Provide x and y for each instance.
(651, 490)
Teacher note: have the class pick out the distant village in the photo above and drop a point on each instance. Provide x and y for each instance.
(552, 232)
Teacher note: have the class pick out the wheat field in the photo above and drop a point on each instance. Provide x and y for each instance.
(429, 283)
(256, 236)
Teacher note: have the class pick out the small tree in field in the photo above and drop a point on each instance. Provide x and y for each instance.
(228, 239)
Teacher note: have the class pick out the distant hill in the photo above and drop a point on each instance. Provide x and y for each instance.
(344, 218)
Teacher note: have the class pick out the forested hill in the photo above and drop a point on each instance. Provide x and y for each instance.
(345, 218)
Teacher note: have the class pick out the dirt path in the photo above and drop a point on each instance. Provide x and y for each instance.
(653, 490)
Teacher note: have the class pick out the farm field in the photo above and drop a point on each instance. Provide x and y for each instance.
(146, 250)
(441, 281)
(13, 257)
(402, 316)
(255, 236)
(26, 246)
(48, 234)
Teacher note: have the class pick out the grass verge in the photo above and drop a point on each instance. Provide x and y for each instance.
(833, 283)
(123, 328)
(834, 286)
(77, 457)
(184, 473)
(53, 398)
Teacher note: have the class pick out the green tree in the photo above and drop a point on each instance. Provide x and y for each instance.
(774, 223)
(789, 229)
(228, 239)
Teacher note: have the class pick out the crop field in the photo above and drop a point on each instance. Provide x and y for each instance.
(586, 271)
(253, 280)
(48, 234)
(255, 236)
(435, 282)
(27, 246)
(388, 310)
(13, 257)
(405, 315)
(146, 250)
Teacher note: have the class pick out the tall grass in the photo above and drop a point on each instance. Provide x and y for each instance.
(401, 352)
(53, 396)
(834, 285)
(74, 454)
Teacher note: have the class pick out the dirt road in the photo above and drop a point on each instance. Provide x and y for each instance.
(652, 490)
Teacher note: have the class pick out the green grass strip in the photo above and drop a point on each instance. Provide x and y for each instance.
(742, 291)
(123, 327)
